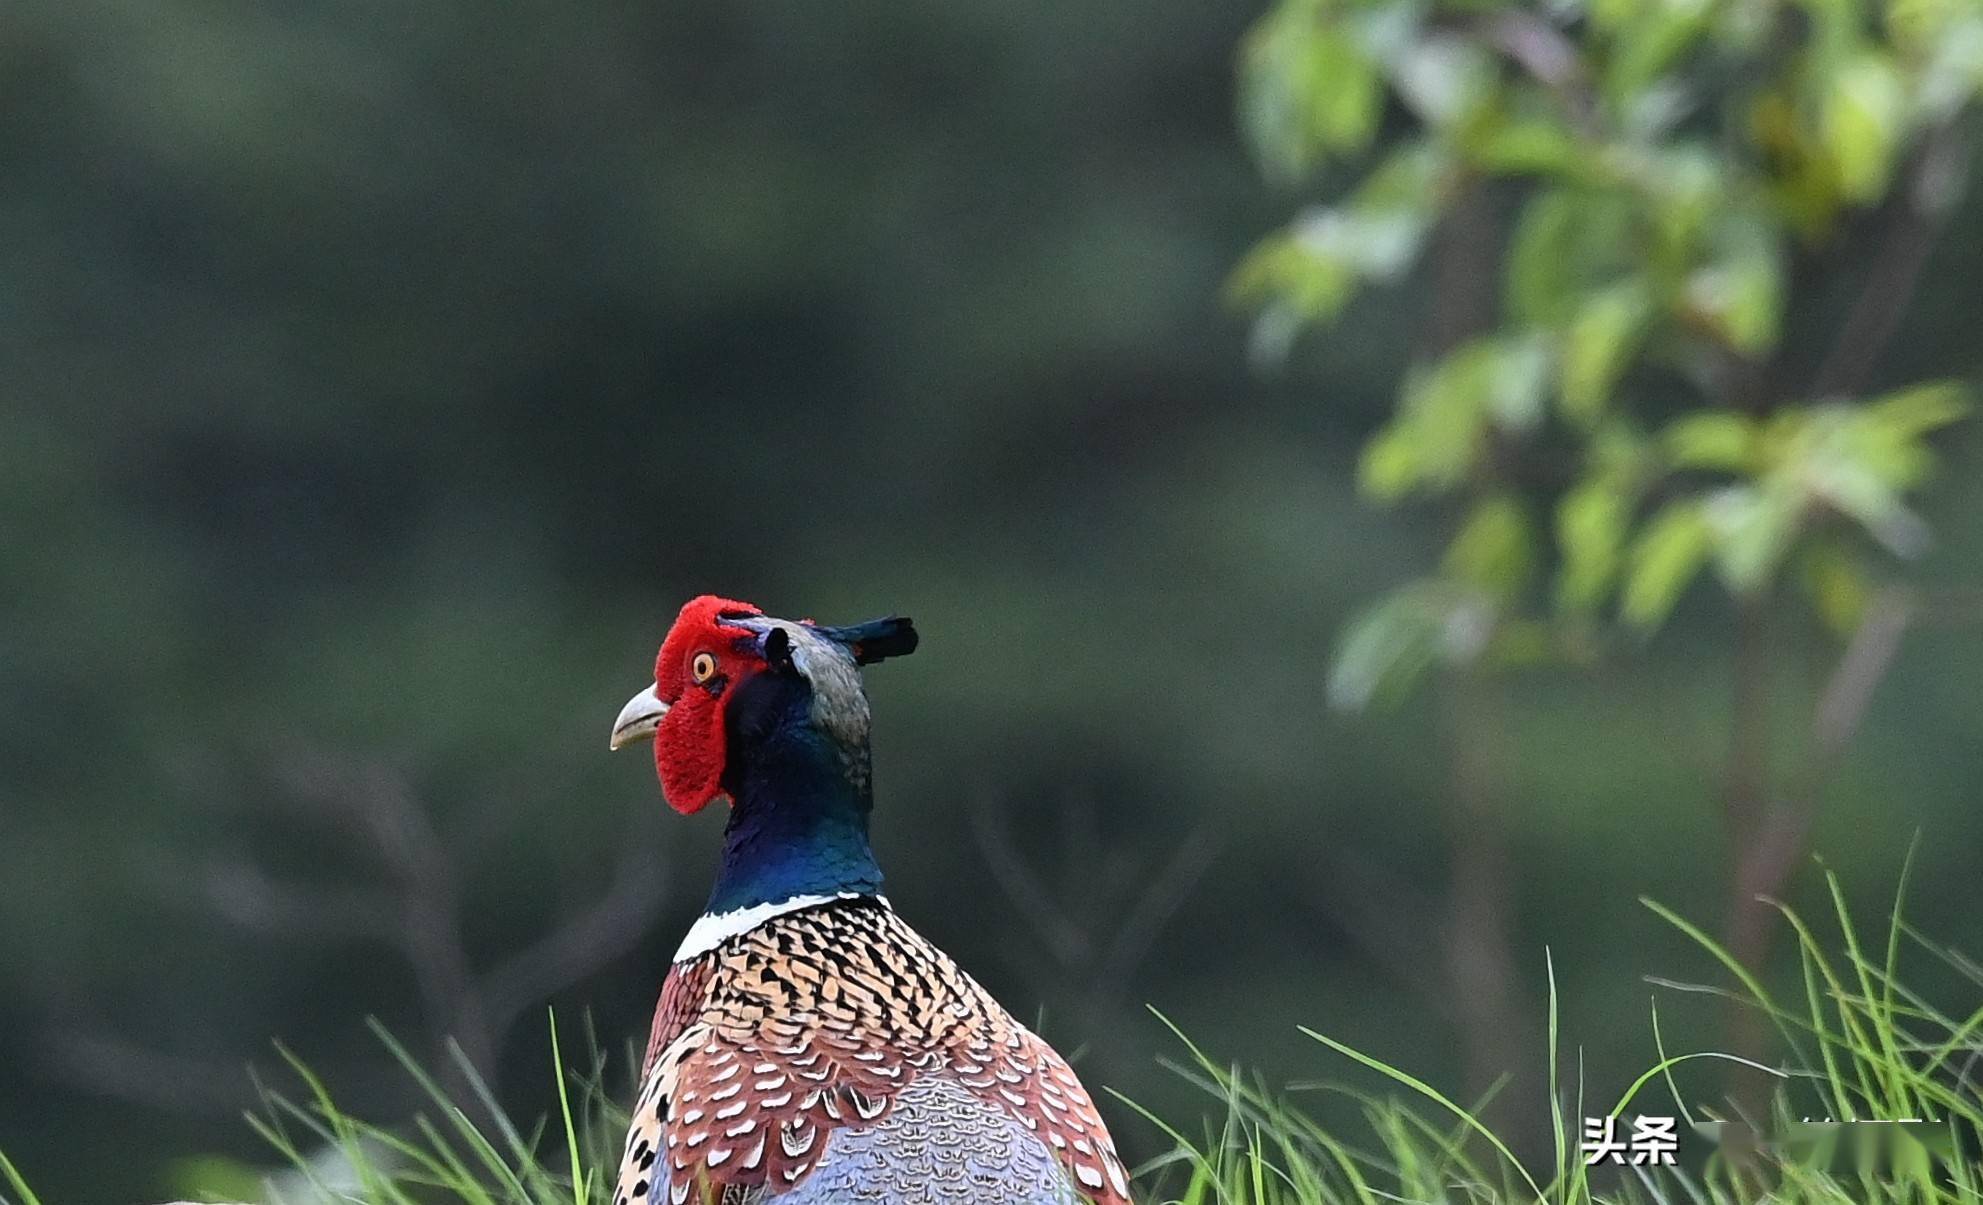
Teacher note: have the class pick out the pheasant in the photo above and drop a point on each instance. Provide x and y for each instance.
(810, 1048)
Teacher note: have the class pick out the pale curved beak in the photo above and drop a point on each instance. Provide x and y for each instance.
(638, 719)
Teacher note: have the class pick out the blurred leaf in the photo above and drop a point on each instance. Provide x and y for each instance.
(1592, 521)
(1301, 281)
(1856, 488)
(1391, 464)
(1688, 186)
(1307, 272)
(1952, 44)
(1369, 241)
(1715, 441)
(1916, 411)
(1649, 115)
(1387, 649)
(1517, 644)
(1752, 529)
(1882, 441)
(1650, 37)
(1532, 146)
(1537, 271)
(1862, 123)
(1566, 243)
(1446, 80)
(1665, 558)
(1611, 15)
(1444, 408)
(1739, 293)
(1916, 26)
(1801, 179)
(1514, 377)
(1599, 346)
(1433, 441)
(1411, 177)
(1860, 461)
(1618, 447)
(1494, 550)
(1837, 585)
(1306, 91)
(1272, 337)
(1345, 96)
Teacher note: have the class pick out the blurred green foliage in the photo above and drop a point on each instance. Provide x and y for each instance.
(1623, 421)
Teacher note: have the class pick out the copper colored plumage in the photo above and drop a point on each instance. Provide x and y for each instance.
(818, 1022)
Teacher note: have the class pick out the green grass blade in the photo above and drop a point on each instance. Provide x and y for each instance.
(1556, 1135)
(1432, 1094)
(1734, 966)
(16, 1181)
(578, 1174)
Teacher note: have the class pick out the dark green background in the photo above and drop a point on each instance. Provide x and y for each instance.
(378, 378)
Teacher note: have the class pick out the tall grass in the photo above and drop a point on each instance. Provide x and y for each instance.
(462, 1152)
(1860, 1047)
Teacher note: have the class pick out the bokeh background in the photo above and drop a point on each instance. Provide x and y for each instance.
(380, 377)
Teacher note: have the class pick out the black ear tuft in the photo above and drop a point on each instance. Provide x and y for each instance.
(877, 639)
(778, 650)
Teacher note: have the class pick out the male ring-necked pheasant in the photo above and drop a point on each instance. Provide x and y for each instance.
(810, 1048)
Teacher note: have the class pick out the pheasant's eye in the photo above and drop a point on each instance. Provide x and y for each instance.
(703, 668)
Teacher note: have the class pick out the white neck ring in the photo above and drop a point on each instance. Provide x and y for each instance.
(712, 929)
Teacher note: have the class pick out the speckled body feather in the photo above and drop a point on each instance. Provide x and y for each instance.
(832, 1054)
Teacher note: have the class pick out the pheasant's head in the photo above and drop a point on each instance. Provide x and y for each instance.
(727, 668)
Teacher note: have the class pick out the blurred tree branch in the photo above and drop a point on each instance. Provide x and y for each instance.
(1770, 830)
(1478, 910)
(1098, 930)
(1394, 922)
(416, 906)
(1775, 838)
(1913, 220)
(176, 1084)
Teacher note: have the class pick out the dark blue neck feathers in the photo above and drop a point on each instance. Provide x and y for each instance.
(799, 821)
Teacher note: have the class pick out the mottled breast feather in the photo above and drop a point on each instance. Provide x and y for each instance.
(792, 1048)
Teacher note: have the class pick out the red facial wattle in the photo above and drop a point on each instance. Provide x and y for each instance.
(689, 745)
(688, 753)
